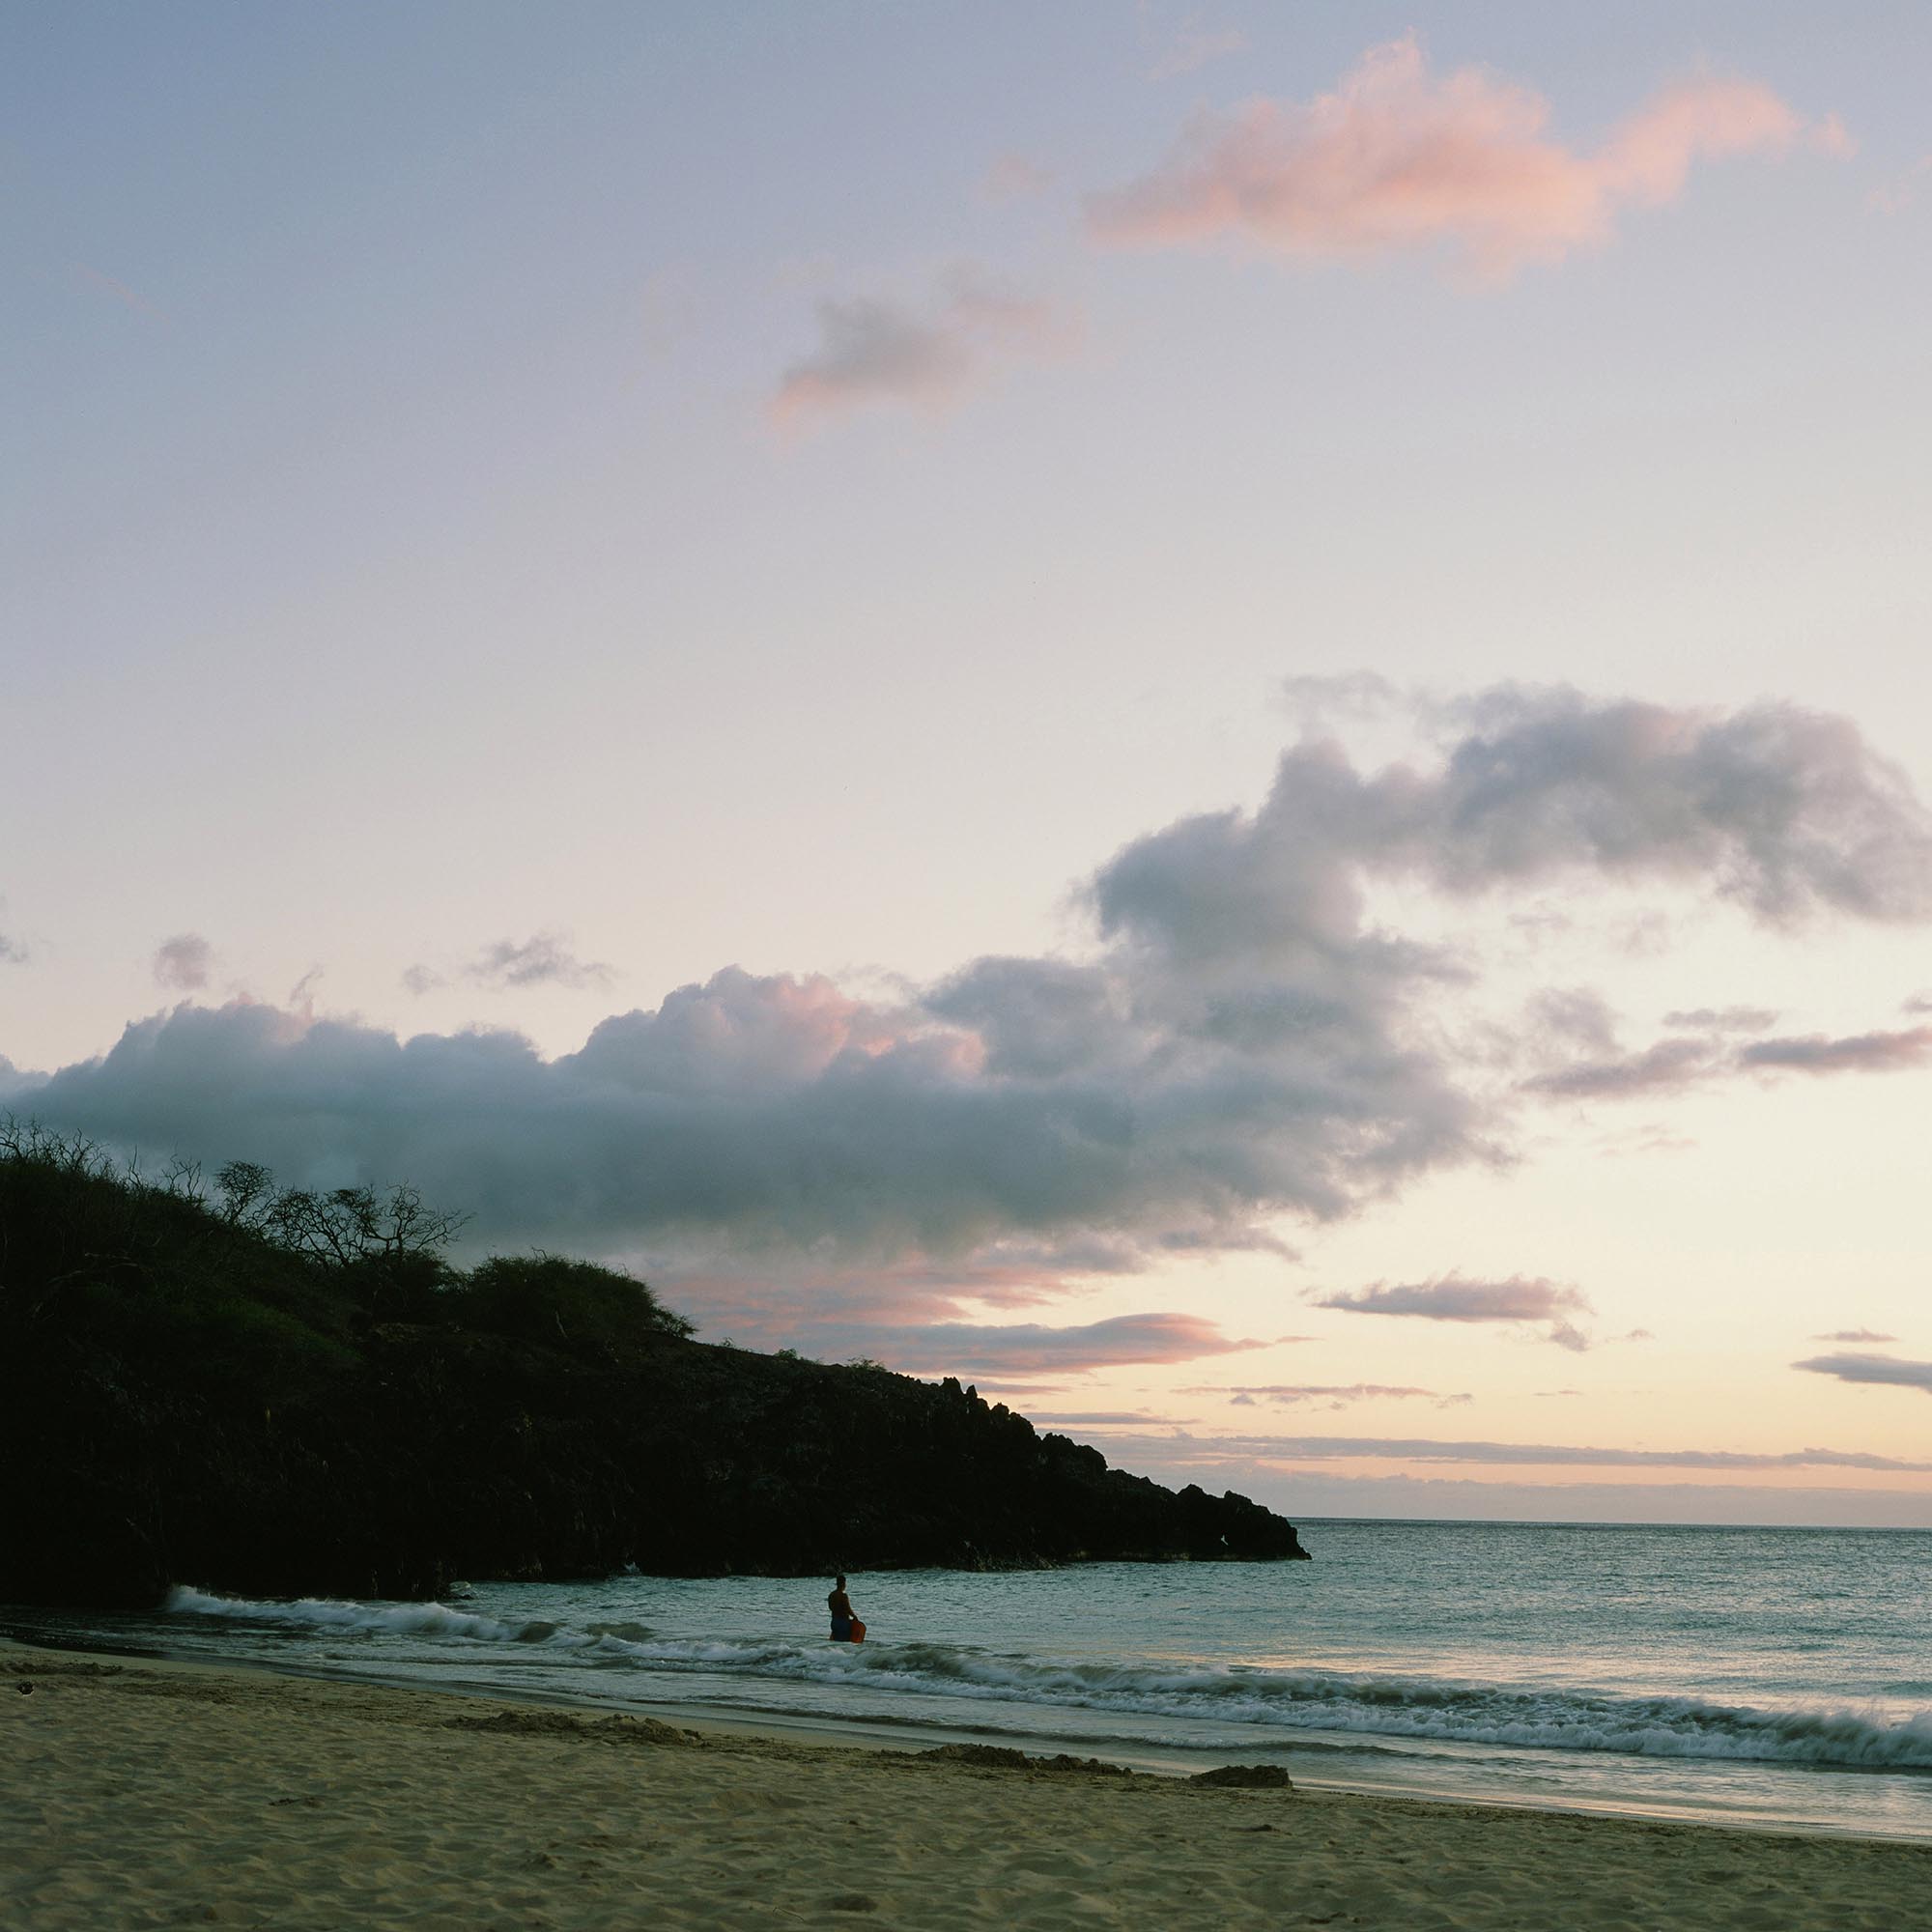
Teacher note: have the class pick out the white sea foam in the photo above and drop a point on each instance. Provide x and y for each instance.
(1308, 1701)
(329, 1614)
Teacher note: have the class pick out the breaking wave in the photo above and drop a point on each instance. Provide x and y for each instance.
(1308, 1701)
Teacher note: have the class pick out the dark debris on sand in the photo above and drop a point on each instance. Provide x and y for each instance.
(1246, 1777)
(1004, 1757)
(613, 1730)
(1001, 1757)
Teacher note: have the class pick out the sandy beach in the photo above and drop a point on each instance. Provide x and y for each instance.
(148, 1793)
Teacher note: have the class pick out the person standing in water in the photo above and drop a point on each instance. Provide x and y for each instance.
(840, 1607)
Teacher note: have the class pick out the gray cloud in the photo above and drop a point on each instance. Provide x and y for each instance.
(1788, 814)
(1723, 1019)
(507, 965)
(1855, 1335)
(1241, 1044)
(1138, 1418)
(12, 951)
(1662, 1068)
(1861, 1053)
(182, 964)
(1886, 1370)
(1671, 1064)
(542, 960)
(1332, 1395)
(873, 351)
(1519, 1299)
(1573, 1019)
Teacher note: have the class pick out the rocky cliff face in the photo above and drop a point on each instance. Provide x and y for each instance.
(185, 1400)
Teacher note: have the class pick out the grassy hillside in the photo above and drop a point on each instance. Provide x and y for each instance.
(265, 1389)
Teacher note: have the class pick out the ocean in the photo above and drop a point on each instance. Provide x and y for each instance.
(1777, 1678)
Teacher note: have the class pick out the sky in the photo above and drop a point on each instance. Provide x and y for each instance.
(1216, 715)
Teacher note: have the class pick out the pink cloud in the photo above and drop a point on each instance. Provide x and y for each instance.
(1399, 158)
(785, 1304)
(1028, 1348)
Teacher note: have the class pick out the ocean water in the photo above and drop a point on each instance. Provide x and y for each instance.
(1765, 1677)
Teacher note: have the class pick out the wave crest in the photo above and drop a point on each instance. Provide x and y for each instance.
(1442, 1708)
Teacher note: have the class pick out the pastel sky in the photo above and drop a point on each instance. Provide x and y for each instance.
(1217, 715)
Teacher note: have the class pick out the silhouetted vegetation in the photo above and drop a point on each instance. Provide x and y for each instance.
(262, 1388)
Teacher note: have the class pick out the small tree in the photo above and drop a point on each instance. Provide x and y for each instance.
(391, 1242)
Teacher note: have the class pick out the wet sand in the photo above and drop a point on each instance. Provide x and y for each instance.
(150, 1794)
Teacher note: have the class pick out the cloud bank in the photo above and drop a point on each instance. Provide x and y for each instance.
(1242, 1043)
(1399, 158)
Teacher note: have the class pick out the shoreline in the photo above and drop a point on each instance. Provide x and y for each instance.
(151, 1789)
(886, 1735)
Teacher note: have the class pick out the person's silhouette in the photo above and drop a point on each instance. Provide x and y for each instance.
(840, 1607)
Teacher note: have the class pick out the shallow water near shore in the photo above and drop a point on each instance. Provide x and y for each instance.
(1770, 1677)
